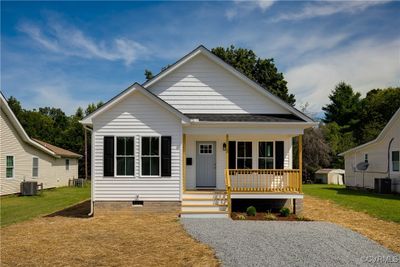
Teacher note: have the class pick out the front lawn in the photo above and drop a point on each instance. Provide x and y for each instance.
(16, 209)
(382, 206)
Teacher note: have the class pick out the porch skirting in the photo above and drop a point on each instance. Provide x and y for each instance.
(147, 207)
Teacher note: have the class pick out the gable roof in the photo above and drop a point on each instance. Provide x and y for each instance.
(24, 136)
(324, 171)
(380, 136)
(58, 150)
(134, 87)
(204, 51)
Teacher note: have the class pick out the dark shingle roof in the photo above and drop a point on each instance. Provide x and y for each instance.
(58, 150)
(246, 117)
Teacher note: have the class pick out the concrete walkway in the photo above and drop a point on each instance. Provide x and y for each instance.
(259, 243)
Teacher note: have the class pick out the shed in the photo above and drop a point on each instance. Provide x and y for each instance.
(329, 176)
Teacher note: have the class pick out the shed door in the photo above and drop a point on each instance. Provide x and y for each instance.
(205, 164)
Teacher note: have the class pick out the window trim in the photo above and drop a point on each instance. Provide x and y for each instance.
(34, 157)
(115, 156)
(393, 170)
(13, 167)
(67, 165)
(237, 153)
(159, 156)
(265, 158)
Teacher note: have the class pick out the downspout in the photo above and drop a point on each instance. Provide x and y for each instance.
(388, 165)
(91, 173)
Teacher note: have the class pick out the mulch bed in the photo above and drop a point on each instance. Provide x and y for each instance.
(260, 216)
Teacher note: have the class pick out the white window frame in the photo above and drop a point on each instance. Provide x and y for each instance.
(159, 156)
(393, 170)
(366, 158)
(237, 154)
(67, 165)
(34, 167)
(115, 156)
(265, 158)
(13, 167)
(208, 144)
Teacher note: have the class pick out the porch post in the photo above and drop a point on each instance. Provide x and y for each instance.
(227, 152)
(184, 162)
(86, 156)
(301, 160)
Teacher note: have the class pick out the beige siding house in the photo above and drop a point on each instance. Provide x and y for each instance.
(382, 156)
(23, 158)
(199, 135)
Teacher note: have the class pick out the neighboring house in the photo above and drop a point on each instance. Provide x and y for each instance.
(382, 156)
(23, 158)
(329, 176)
(195, 136)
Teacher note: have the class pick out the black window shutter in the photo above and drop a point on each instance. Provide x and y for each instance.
(279, 157)
(108, 156)
(166, 156)
(232, 154)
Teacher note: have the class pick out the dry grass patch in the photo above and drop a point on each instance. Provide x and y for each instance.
(384, 232)
(117, 239)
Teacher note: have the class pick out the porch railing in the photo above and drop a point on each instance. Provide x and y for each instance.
(246, 180)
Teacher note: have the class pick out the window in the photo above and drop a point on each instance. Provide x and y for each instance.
(206, 148)
(265, 155)
(9, 166)
(67, 164)
(150, 156)
(244, 155)
(125, 158)
(35, 167)
(396, 161)
(366, 158)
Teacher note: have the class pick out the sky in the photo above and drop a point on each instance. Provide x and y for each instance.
(70, 54)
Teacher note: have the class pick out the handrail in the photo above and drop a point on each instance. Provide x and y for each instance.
(228, 191)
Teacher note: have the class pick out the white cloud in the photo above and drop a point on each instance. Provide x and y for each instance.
(365, 65)
(243, 7)
(327, 8)
(68, 40)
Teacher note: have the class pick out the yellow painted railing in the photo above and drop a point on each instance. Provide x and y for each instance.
(247, 180)
(228, 191)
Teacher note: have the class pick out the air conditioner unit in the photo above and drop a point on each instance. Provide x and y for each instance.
(28, 188)
(383, 185)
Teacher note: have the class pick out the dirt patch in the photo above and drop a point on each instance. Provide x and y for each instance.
(80, 210)
(260, 216)
(117, 239)
(383, 232)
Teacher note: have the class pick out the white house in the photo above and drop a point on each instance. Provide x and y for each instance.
(382, 156)
(24, 158)
(198, 135)
(329, 176)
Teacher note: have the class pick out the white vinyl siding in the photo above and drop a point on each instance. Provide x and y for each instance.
(137, 116)
(202, 86)
(35, 167)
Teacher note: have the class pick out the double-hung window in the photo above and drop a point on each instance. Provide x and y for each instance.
(366, 158)
(265, 155)
(395, 161)
(244, 155)
(35, 167)
(150, 158)
(125, 157)
(9, 166)
(67, 164)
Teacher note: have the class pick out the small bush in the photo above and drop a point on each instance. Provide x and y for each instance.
(269, 216)
(251, 211)
(241, 217)
(301, 218)
(285, 212)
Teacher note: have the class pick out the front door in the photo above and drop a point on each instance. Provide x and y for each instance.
(205, 164)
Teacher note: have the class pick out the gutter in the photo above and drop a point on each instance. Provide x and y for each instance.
(92, 182)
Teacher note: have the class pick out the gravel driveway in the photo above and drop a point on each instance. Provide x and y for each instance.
(256, 243)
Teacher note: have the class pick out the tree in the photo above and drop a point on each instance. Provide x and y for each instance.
(92, 107)
(148, 74)
(261, 70)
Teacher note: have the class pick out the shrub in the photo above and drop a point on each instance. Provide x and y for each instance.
(241, 217)
(285, 212)
(301, 218)
(269, 216)
(251, 211)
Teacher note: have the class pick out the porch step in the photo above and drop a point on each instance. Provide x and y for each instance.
(204, 204)
(203, 209)
(204, 214)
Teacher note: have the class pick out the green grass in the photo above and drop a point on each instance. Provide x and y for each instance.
(385, 207)
(21, 208)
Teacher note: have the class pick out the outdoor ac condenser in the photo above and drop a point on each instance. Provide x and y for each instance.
(28, 188)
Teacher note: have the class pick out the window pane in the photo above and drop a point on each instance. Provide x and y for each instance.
(396, 160)
(248, 164)
(10, 161)
(155, 165)
(154, 146)
(35, 172)
(145, 166)
(396, 166)
(145, 145)
(241, 149)
(129, 146)
(262, 164)
(9, 172)
(269, 164)
(120, 145)
(35, 162)
(248, 149)
(395, 155)
(130, 165)
(240, 163)
(270, 150)
(261, 149)
(120, 166)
